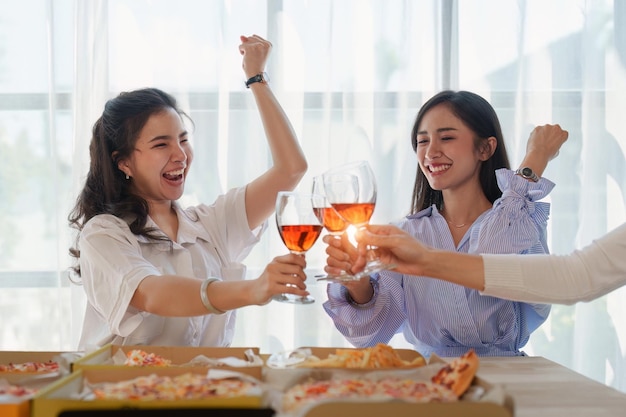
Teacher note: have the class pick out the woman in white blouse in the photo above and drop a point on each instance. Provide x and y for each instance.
(157, 273)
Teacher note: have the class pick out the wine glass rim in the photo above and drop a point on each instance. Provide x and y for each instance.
(342, 167)
(299, 193)
(282, 196)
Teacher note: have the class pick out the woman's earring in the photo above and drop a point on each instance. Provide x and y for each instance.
(127, 177)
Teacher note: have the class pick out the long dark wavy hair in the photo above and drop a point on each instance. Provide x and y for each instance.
(478, 115)
(114, 135)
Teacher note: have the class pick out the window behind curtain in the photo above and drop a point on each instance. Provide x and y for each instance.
(351, 75)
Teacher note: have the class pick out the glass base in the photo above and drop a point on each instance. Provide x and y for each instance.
(372, 267)
(294, 299)
(345, 277)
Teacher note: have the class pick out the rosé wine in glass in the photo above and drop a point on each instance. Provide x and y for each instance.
(299, 226)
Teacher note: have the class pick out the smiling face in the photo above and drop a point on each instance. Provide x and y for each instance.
(446, 150)
(160, 161)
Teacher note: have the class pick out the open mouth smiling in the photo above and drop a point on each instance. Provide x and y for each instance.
(438, 168)
(174, 175)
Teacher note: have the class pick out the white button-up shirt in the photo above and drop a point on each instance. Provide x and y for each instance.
(212, 241)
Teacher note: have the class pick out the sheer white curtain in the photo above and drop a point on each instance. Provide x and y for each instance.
(351, 76)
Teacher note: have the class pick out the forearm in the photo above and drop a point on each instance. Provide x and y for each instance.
(583, 275)
(175, 296)
(458, 268)
(288, 162)
(287, 155)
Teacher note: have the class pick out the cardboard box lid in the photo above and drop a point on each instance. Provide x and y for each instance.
(20, 356)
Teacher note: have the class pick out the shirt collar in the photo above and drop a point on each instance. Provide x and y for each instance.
(427, 212)
(190, 229)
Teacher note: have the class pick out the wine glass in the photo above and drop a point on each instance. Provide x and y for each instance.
(299, 227)
(334, 224)
(351, 190)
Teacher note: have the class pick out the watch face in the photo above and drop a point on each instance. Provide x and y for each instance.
(527, 173)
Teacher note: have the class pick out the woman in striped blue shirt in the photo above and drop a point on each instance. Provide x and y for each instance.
(465, 199)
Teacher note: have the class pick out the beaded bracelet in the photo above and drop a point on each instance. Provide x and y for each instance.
(205, 298)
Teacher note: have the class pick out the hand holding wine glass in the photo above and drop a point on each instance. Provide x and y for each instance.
(351, 190)
(299, 227)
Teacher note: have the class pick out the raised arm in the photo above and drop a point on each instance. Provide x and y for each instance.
(289, 164)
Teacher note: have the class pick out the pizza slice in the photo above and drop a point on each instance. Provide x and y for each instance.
(386, 389)
(137, 357)
(379, 356)
(459, 373)
(30, 367)
(188, 386)
(16, 391)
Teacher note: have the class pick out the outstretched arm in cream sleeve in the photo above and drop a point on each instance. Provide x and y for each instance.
(583, 275)
(395, 246)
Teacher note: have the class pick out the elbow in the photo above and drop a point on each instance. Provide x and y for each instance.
(294, 173)
(301, 169)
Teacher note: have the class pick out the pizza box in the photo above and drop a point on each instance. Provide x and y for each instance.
(482, 399)
(20, 406)
(67, 396)
(243, 359)
(400, 409)
(15, 408)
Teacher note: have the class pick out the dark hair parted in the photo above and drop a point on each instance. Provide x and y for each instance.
(478, 115)
(114, 135)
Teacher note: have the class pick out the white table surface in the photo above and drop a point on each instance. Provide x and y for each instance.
(540, 387)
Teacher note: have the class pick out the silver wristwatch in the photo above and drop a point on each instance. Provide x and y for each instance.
(527, 173)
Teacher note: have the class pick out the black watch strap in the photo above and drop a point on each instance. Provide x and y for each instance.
(261, 77)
